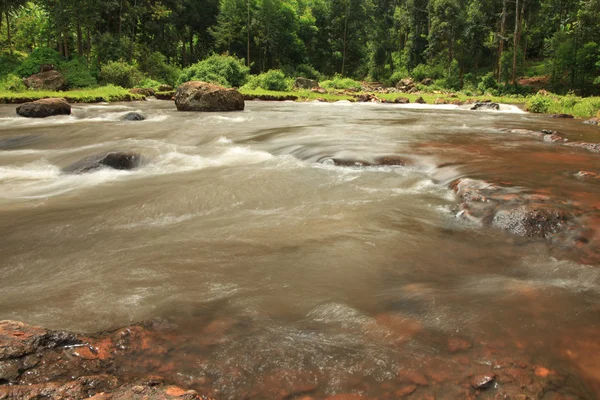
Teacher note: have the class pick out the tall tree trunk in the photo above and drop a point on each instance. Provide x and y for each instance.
(345, 38)
(89, 45)
(66, 46)
(79, 39)
(515, 44)
(184, 58)
(248, 29)
(120, 15)
(191, 43)
(8, 35)
(501, 44)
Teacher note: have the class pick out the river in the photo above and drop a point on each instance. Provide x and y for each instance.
(277, 265)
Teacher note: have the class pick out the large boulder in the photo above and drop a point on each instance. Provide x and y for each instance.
(305, 83)
(48, 80)
(165, 88)
(202, 96)
(116, 160)
(44, 108)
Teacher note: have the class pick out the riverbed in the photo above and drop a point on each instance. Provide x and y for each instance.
(274, 243)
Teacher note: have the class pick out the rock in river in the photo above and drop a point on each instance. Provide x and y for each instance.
(44, 108)
(486, 106)
(202, 96)
(134, 116)
(115, 160)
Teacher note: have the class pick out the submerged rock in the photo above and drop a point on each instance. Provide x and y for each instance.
(531, 220)
(483, 381)
(44, 108)
(17, 141)
(134, 116)
(202, 96)
(485, 106)
(48, 80)
(567, 116)
(115, 160)
(593, 121)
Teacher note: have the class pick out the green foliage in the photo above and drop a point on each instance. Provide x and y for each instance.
(155, 66)
(104, 93)
(10, 62)
(339, 82)
(38, 57)
(538, 104)
(120, 74)
(77, 73)
(423, 71)
(396, 77)
(149, 83)
(487, 83)
(12, 83)
(306, 71)
(221, 69)
(451, 79)
(271, 80)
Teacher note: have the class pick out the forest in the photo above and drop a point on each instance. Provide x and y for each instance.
(471, 45)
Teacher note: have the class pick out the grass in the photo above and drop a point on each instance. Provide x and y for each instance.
(553, 104)
(93, 95)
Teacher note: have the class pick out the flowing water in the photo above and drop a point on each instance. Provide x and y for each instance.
(339, 276)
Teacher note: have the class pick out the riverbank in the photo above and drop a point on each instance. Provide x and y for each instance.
(543, 103)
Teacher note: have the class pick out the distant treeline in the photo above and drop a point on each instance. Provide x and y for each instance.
(459, 43)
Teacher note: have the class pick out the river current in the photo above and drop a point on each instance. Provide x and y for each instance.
(340, 276)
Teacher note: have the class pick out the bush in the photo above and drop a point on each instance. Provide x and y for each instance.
(224, 70)
(423, 71)
(339, 82)
(156, 67)
(12, 83)
(538, 104)
(120, 73)
(77, 73)
(307, 71)
(149, 83)
(396, 77)
(37, 58)
(270, 80)
(10, 62)
(487, 83)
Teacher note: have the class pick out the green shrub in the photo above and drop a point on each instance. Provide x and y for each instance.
(270, 80)
(423, 71)
(396, 77)
(12, 83)
(77, 73)
(538, 104)
(221, 69)
(155, 65)
(120, 73)
(339, 82)
(38, 57)
(10, 62)
(149, 83)
(307, 71)
(487, 83)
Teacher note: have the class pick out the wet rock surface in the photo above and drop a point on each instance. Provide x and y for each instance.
(115, 160)
(44, 108)
(485, 107)
(134, 116)
(202, 96)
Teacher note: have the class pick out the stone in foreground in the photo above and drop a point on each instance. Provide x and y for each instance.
(115, 160)
(202, 96)
(44, 108)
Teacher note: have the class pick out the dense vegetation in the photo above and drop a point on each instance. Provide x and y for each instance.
(479, 46)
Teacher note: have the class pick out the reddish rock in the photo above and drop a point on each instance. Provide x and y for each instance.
(401, 100)
(406, 391)
(456, 344)
(439, 100)
(345, 396)
(412, 377)
(586, 175)
(483, 381)
(202, 96)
